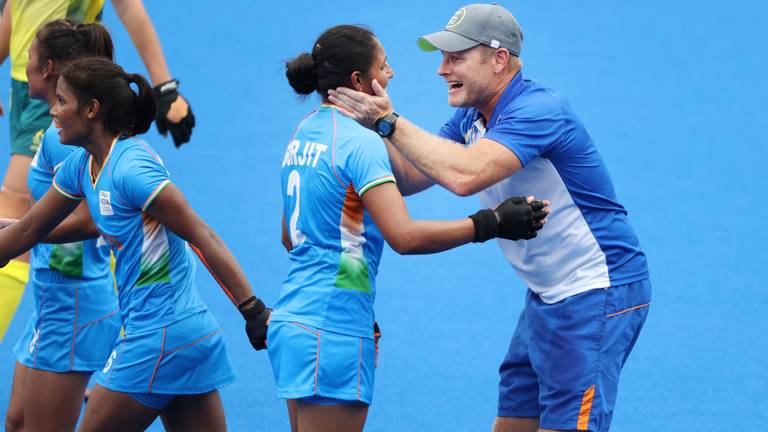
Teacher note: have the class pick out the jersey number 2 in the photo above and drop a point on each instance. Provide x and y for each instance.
(294, 186)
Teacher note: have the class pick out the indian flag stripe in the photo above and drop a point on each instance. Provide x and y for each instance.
(155, 253)
(63, 192)
(376, 182)
(154, 194)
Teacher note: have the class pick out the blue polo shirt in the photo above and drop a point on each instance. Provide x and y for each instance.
(588, 242)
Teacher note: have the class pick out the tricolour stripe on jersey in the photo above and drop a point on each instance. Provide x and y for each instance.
(154, 194)
(353, 268)
(155, 253)
(376, 182)
(61, 191)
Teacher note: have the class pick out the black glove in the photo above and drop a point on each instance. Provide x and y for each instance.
(513, 219)
(165, 95)
(256, 321)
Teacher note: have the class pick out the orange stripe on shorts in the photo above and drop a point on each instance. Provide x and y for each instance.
(586, 408)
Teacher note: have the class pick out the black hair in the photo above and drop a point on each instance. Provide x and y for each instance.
(122, 111)
(337, 53)
(63, 40)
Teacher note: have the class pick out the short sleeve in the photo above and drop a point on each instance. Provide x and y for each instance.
(452, 128)
(140, 176)
(368, 164)
(68, 180)
(529, 133)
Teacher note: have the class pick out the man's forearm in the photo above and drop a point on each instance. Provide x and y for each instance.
(445, 162)
(409, 179)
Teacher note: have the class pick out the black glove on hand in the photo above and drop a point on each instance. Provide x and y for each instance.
(513, 219)
(256, 321)
(519, 219)
(165, 95)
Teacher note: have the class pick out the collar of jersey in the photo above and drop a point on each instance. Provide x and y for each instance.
(512, 91)
(94, 182)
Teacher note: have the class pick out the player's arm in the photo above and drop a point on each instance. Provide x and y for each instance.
(514, 219)
(464, 170)
(286, 237)
(409, 179)
(174, 114)
(5, 32)
(172, 210)
(134, 17)
(5, 36)
(76, 227)
(43, 217)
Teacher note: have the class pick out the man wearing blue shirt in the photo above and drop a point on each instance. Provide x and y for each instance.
(588, 282)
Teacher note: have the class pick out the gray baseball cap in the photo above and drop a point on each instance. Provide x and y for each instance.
(475, 24)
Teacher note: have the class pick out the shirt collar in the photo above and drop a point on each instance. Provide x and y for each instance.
(512, 90)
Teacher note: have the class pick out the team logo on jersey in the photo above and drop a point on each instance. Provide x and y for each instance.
(105, 206)
(456, 18)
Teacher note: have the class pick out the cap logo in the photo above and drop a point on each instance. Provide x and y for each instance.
(456, 18)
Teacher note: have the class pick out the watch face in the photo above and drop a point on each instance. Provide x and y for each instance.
(384, 128)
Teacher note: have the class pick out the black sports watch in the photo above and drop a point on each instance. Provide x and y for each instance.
(385, 126)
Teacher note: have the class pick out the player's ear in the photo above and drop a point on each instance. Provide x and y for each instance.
(48, 69)
(92, 108)
(357, 81)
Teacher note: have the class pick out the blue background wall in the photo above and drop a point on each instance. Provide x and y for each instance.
(674, 95)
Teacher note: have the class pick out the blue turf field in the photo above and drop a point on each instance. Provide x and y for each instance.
(674, 94)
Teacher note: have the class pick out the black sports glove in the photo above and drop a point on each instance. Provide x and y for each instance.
(256, 321)
(165, 95)
(513, 219)
(519, 219)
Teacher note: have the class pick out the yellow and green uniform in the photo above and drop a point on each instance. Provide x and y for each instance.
(29, 118)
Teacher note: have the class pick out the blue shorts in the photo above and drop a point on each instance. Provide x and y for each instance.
(564, 360)
(73, 326)
(156, 401)
(308, 362)
(186, 357)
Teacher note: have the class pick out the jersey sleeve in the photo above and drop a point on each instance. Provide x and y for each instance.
(68, 180)
(452, 128)
(140, 176)
(530, 132)
(368, 164)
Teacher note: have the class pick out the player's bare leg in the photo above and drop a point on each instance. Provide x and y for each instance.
(515, 424)
(199, 412)
(14, 418)
(329, 418)
(52, 401)
(115, 412)
(292, 414)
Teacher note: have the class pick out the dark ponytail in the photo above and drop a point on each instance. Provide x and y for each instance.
(122, 111)
(301, 74)
(337, 53)
(63, 40)
(145, 104)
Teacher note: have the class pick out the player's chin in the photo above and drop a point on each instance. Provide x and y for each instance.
(457, 101)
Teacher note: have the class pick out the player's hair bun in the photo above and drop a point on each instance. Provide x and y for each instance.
(301, 73)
